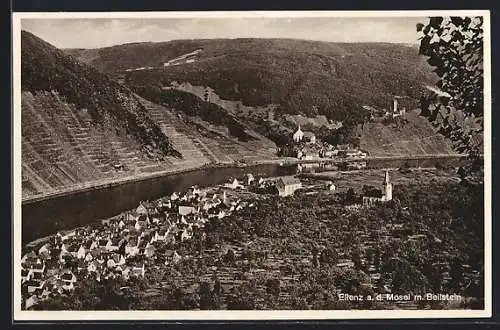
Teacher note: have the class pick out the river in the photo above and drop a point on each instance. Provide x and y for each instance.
(47, 216)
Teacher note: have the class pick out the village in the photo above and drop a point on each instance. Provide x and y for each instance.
(135, 242)
(125, 245)
(308, 147)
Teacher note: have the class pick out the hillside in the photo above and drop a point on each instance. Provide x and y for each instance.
(308, 77)
(411, 136)
(272, 85)
(81, 128)
(109, 104)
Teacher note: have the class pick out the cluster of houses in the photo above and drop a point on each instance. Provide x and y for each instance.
(282, 186)
(123, 246)
(309, 148)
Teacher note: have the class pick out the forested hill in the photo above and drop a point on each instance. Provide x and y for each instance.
(46, 68)
(81, 128)
(308, 77)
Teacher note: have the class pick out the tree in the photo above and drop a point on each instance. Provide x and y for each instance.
(350, 196)
(206, 296)
(454, 47)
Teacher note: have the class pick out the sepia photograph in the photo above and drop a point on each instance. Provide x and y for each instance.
(252, 165)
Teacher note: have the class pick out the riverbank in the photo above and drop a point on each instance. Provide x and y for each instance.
(79, 188)
(102, 184)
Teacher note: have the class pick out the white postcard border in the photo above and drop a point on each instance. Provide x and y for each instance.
(20, 315)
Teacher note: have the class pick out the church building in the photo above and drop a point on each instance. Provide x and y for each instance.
(386, 195)
(298, 135)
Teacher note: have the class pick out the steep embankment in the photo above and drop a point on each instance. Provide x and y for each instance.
(410, 135)
(81, 128)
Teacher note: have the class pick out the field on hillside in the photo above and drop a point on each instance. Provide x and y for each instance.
(414, 137)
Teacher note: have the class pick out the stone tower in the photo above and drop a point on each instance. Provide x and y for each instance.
(387, 187)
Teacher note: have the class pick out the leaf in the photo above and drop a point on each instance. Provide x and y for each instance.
(435, 22)
(457, 21)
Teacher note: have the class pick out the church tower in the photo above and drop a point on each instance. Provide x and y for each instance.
(298, 135)
(387, 187)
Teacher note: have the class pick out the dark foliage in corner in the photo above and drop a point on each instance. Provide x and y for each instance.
(454, 47)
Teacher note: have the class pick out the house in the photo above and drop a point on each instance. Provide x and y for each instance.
(103, 243)
(250, 179)
(132, 248)
(31, 301)
(172, 257)
(96, 253)
(194, 190)
(182, 220)
(81, 253)
(94, 267)
(160, 235)
(25, 275)
(298, 135)
(113, 244)
(330, 153)
(287, 185)
(352, 153)
(69, 279)
(356, 165)
(137, 225)
(45, 249)
(345, 263)
(233, 184)
(186, 210)
(309, 137)
(67, 250)
(330, 186)
(30, 257)
(186, 234)
(68, 235)
(34, 285)
(138, 271)
(141, 209)
(149, 251)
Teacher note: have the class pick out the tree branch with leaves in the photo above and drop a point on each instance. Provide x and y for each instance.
(455, 106)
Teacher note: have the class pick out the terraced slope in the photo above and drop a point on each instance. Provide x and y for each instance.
(80, 128)
(62, 148)
(415, 137)
(206, 143)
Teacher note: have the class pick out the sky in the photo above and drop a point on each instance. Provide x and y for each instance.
(103, 32)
